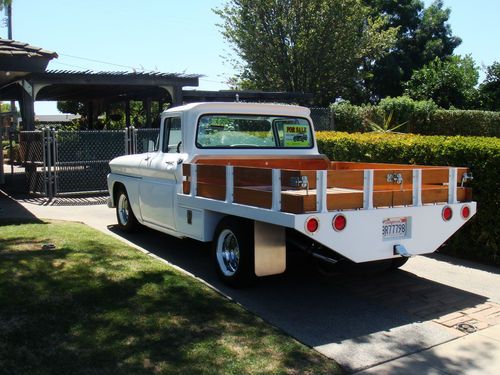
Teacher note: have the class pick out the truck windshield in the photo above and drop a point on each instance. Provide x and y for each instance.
(253, 131)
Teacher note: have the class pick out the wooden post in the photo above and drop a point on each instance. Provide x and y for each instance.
(177, 96)
(28, 110)
(127, 113)
(90, 115)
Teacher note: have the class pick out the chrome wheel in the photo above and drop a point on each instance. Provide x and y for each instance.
(228, 252)
(123, 209)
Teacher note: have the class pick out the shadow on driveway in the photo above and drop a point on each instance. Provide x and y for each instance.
(315, 310)
(11, 210)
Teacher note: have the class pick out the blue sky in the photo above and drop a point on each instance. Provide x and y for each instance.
(182, 36)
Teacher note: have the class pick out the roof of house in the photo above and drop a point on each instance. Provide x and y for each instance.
(15, 49)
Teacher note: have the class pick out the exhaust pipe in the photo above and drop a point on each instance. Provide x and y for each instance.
(401, 250)
(324, 258)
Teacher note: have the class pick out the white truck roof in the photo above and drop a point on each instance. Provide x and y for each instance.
(236, 107)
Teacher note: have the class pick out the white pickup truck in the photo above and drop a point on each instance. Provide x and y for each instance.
(249, 178)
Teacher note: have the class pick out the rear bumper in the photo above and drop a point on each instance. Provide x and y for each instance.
(362, 241)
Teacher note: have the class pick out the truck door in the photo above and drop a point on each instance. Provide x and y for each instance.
(161, 176)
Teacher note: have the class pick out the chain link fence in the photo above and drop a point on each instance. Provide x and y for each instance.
(33, 147)
(145, 139)
(322, 119)
(82, 157)
(58, 162)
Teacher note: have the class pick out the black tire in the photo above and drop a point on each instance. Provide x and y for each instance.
(127, 222)
(233, 252)
(398, 262)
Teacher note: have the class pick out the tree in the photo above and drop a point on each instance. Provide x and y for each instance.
(5, 3)
(490, 88)
(303, 46)
(423, 34)
(449, 82)
(75, 108)
(4, 107)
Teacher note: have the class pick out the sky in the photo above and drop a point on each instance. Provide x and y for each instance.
(181, 36)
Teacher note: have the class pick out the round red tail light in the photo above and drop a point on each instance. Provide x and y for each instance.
(339, 222)
(312, 225)
(447, 213)
(465, 212)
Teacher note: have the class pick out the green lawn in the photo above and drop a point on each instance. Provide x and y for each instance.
(96, 306)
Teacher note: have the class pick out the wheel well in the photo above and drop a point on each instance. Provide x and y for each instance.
(234, 218)
(116, 188)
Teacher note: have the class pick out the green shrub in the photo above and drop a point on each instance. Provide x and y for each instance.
(461, 122)
(348, 117)
(422, 117)
(416, 113)
(479, 239)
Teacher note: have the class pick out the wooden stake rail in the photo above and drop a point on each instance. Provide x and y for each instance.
(337, 186)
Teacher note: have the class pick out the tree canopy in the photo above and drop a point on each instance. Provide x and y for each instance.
(449, 82)
(490, 88)
(305, 46)
(423, 35)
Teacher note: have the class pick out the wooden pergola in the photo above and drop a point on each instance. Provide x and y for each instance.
(97, 90)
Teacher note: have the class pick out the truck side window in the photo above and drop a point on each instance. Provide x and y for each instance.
(172, 135)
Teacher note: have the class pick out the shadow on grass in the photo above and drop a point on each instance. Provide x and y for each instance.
(103, 308)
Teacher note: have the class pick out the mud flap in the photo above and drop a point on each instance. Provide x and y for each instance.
(270, 249)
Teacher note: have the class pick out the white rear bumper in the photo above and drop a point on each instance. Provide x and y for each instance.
(361, 240)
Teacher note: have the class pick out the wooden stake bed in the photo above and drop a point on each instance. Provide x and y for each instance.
(348, 186)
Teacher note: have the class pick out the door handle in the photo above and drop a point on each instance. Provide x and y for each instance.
(170, 162)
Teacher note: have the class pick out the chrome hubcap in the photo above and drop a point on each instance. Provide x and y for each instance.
(123, 209)
(228, 253)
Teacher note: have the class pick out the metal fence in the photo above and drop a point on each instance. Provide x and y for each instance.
(33, 150)
(58, 162)
(322, 119)
(82, 157)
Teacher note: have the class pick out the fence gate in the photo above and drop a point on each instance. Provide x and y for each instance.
(58, 162)
(33, 149)
(81, 158)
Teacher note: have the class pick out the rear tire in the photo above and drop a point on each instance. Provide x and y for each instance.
(233, 252)
(127, 222)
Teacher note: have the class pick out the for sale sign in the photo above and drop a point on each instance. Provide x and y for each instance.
(296, 136)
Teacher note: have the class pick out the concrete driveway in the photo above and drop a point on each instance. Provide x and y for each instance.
(359, 320)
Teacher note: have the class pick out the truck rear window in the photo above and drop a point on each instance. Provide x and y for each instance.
(253, 131)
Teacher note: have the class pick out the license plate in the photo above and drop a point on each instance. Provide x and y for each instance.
(395, 227)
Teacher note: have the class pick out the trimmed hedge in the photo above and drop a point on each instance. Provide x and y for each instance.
(479, 238)
(421, 117)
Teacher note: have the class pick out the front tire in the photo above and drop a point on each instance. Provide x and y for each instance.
(127, 222)
(233, 252)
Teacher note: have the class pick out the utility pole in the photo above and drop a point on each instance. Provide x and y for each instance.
(9, 36)
(9, 21)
